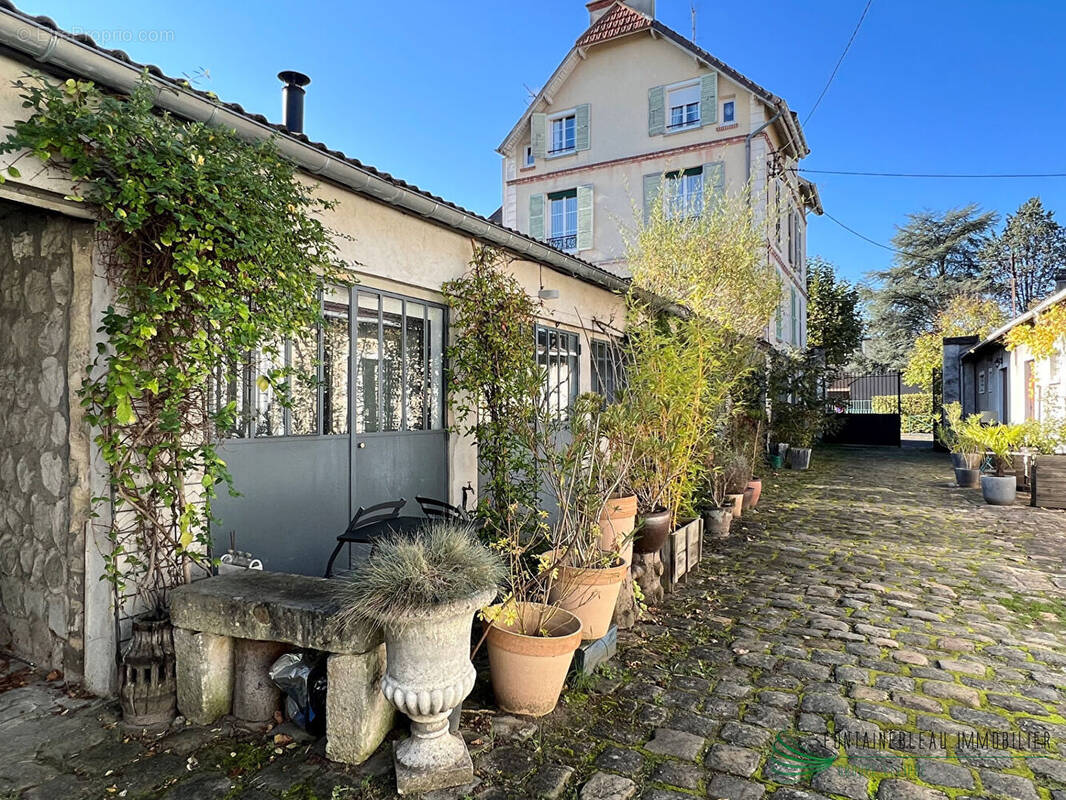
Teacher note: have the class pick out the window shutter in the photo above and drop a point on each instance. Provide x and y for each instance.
(581, 127)
(538, 134)
(714, 180)
(584, 217)
(709, 99)
(536, 216)
(656, 111)
(794, 318)
(651, 192)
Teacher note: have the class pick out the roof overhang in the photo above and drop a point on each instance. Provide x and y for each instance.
(1022, 319)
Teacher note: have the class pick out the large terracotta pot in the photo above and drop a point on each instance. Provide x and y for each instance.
(736, 503)
(755, 484)
(652, 531)
(528, 671)
(590, 594)
(617, 521)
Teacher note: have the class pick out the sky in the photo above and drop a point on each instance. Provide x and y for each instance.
(427, 89)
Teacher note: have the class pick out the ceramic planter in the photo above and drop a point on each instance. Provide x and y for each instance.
(755, 484)
(148, 689)
(966, 460)
(652, 532)
(428, 673)
(528, 671)
(777, 461)
(967, 478)
(799, 457)
(735, 503)
(590, 594)
(617, 521)
(716, 522)
(999, 491)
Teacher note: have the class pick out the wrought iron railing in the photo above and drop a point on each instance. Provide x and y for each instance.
(564, 149)
(564, 242)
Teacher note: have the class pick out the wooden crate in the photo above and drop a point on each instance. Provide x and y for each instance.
(1049, 481)
(682, 552)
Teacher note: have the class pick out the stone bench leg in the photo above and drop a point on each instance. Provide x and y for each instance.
(358, 716)
(204, 675)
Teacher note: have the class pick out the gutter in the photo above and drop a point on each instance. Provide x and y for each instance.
(747, 143)
(57, 49)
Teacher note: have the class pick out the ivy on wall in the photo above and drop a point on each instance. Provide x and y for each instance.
(214, 250)
(1044, 336)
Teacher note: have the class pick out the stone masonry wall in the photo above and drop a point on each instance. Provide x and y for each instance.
(42, 561)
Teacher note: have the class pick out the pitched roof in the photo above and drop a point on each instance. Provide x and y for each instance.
(32, 46)
(1055, 298)
(618, 20)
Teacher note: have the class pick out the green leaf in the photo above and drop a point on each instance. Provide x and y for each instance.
(124, 411)
(13, 172)
(263, 383)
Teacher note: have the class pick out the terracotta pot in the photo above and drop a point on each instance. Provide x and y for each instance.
(528, 671)
(652, 532)
(716, 521)
(617, 521)
(736, 503)
(755, 484)
(590, 594)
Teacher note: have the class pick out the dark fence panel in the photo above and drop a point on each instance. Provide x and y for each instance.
(866, 429)
(867, 408)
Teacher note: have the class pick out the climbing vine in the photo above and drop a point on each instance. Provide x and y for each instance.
(213, 251)
(1043, 336)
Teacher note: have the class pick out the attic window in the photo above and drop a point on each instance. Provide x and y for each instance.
(683, 102)
(728, 112)
(529, 156)
(563, 134)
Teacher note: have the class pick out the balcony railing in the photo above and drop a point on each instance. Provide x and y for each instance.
(564, 242)
(692, 123)
(568, 148)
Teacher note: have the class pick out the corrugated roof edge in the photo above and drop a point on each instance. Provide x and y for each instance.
(550, 256)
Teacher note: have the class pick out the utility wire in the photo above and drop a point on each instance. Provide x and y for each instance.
(929, 174)
(839, 62)
(865, 238)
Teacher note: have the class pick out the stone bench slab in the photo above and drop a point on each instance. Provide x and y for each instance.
(270, 606)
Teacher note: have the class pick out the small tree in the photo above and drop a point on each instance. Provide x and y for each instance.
(965, 315)
(834, 319)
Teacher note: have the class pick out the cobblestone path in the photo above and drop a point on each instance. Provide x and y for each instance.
(910, 637)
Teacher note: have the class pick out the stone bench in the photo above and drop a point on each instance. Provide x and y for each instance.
(229, 629)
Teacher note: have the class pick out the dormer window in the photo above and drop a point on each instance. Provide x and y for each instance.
(683, 106)
(563, 139)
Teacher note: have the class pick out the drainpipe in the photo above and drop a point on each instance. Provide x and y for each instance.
(752, 135)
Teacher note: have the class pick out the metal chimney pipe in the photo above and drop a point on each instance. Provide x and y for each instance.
(292, 100)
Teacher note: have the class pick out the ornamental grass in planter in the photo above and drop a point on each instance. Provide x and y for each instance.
(958, 436)
(999, 441)
(422, 591)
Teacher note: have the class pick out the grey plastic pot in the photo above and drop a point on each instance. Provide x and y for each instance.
(999, 491)
(799, 457)
(967, 478)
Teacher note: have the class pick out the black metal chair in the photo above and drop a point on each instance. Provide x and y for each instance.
(438, 509)
(364, 518)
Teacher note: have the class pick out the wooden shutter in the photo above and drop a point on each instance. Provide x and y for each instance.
(536, 216)
(656, 111)
(581, 127)
(538, 134)
(714, 180)
(584, 217)
(709, 99)
(652, 185)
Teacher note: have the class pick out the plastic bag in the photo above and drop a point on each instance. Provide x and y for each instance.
(302, 677)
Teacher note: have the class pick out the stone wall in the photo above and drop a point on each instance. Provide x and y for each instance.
(42, 554)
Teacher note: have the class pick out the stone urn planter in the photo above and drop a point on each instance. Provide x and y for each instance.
(652, 531)
(148, 688)
(617, 521)
(428, 673)
(528, 671)
(967, 478)
(999, 490)
(799, 457)
(716, 521)
(589, 593)
(755, 484)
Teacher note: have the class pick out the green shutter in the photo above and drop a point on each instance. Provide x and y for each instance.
(652, 183)
(714, 181)
(656, 111)
(795, 317)
(581, 127)
(709, 99)
(538, 134)
(584, 217)
(536, 216)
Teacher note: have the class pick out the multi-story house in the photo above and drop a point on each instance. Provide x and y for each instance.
(632, 104)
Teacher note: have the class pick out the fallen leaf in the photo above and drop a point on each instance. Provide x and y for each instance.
(281, 738)
(54, 675)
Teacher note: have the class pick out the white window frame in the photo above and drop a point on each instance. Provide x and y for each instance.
(729, 121)
(561, 116)
(693, 83)
(689, 201)
(529, 159)
(571, 195)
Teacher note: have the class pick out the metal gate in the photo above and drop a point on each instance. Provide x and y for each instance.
(866, 408)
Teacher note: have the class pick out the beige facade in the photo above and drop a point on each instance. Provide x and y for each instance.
(623, 92)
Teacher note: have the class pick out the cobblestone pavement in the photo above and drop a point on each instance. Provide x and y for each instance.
(889, 620)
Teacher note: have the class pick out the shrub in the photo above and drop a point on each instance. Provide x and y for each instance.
(917, 410)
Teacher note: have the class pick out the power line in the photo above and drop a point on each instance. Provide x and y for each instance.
(930, 174)
(865, 238)
(839, 62)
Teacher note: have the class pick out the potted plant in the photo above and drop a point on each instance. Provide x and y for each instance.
(717, 515)
(999, 488)
(966, 438)
(422, 591)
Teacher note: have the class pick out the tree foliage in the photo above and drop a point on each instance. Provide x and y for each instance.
(834, 318)
(1021, 262)
(1044, 336)
(214, 250)
(965, 315)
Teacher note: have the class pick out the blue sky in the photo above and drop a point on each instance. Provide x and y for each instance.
(426, 89)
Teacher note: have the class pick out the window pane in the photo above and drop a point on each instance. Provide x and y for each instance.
(415, 359)
(558, 217)
(571, 215)
(677, 116)
(229, 387)
(367, 361)
(267, 415)
(435, 333)
(569, 127)
(336, 352)
(392, 364)
(303, 411)
(728, 111)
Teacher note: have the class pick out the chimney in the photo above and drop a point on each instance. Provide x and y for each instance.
(1060, 279)
(597, 8)
(292, 100)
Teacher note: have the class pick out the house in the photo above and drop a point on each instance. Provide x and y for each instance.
(376, 429)
(634, 102)
(1008, 385)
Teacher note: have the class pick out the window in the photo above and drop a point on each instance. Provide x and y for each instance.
(1054, 368)
(981, 382)
(728, 112)
(683, 193)
(563, 135)
(563, 219)
(607, 369)
(683, 104)
(529, 156)
(557, 355)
